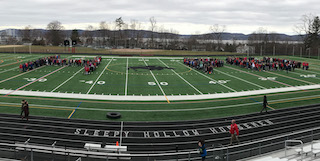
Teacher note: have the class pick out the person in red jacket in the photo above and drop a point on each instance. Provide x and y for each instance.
(234, 131)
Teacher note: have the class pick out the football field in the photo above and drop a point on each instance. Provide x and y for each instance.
(136, 85)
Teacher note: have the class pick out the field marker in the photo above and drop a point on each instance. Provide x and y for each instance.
(181, 77)
(20, 74)
(208, 77)
(99, 76)
(126, 84)
(290, 77)
(34, 81)
(304, 74)
(66, 80)
(157, 82)
(240, 79)
(261, 77)
(74, 111)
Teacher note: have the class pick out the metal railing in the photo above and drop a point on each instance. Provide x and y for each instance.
(228, 153)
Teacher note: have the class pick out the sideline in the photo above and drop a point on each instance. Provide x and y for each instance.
(172, 110)
(158, 103)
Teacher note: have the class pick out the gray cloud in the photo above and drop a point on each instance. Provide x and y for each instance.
(276, 15)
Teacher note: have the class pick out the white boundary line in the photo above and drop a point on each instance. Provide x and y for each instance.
(181, 77)
(99, 76)
(240, 79)
(158, 98)
(67, 80)
(126, 86)
(208, 77)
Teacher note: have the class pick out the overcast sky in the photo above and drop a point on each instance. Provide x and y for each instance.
(185, 16)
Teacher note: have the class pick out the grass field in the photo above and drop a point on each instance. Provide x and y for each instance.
(114, 77)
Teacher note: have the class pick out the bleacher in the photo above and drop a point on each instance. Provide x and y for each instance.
(56, 137)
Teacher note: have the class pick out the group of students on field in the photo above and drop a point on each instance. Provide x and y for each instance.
(266, 63)
(91, 65)
(205, 64)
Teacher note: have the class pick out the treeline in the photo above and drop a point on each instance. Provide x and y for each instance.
(134, 35)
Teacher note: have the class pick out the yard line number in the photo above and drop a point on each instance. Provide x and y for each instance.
(268, 78)
(161, 83)
(309, 76)
(34, 79)
(91, 82)
(219, 82)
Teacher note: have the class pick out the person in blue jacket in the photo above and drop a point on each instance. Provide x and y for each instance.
(202, 149)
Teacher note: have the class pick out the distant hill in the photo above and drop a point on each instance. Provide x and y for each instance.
(147, 34)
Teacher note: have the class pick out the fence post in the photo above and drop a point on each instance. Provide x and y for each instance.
(31, 155)
(259, 148)
(189, 156)
(227, 154)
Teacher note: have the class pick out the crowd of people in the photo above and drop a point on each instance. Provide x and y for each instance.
(88, 64)
(266, 63)
(205, 64)
(91, 65)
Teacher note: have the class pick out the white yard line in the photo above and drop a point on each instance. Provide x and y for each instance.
(99, 76)
(181, 77)
(157, 82)
(209, 78)
(126, 86)
(240, 79)
(67, 80)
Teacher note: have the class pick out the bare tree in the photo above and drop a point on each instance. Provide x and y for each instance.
(217, 32)
(88, 35)
(153, 26)
(26, 34)
(55, 34)
(104, 30)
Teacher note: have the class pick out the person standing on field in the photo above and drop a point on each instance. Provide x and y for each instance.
(26, 110)
(265, 104)
(234, 131)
